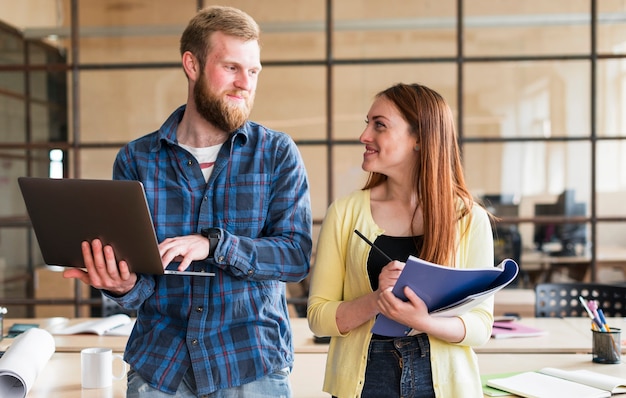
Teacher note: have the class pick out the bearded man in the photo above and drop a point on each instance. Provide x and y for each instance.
(229, 197)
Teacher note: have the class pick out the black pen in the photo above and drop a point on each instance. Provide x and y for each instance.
(382, 253)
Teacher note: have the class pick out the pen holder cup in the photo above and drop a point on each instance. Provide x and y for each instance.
(606, 346)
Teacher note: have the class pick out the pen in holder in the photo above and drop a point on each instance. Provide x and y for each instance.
(3, 311)
(606, 346)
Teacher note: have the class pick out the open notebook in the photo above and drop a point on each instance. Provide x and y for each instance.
(65, 212)
(553, 383)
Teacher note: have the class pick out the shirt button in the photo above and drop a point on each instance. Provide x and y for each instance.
(199, 309)
(220, 259)
(189, 162)
(250, 272)
(194, 342)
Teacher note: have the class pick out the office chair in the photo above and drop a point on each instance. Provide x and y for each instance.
(562, 299)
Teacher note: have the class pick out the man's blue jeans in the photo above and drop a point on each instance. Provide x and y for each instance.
(275, 385)
(399, 367)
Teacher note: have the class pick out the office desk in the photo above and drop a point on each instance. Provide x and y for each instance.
(60, 378)
(568, 343)
(567, 346)
(561, 337)
(302, 336)
(565, 336)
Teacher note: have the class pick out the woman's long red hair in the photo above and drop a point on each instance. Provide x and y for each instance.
(438, 174)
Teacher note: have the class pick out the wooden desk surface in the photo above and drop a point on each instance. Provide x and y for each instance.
(567, 346)
(60, 378)
(302, 336)
(561, 337)
(565, 336)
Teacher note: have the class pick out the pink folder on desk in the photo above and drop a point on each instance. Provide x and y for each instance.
(506, 330)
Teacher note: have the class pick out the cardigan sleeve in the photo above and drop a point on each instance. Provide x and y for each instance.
(476, 251)
(340, 270)
(327, 277)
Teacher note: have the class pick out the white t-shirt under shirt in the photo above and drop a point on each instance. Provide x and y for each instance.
(206, 157)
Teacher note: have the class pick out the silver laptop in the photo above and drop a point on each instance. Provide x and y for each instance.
(66, 212)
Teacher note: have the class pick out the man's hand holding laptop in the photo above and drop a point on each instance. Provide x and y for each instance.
(102, 269)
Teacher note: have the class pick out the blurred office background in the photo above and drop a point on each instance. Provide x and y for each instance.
(538, 88)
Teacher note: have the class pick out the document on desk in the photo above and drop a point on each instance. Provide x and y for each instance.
(113, 325)
(554, 383)
(23, 361)
(447, 291)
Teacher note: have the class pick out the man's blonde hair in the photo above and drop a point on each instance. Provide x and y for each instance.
(228, 20)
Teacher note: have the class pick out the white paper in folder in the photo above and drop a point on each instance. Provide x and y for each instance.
(23, 361)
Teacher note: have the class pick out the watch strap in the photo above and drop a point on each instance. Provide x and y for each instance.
(213, 235)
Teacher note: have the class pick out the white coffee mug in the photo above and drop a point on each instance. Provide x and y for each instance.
(96, 366)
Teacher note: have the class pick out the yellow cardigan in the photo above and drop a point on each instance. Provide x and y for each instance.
(340, 273)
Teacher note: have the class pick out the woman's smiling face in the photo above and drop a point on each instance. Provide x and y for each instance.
(389, 142)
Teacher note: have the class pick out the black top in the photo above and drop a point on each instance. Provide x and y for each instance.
(397, 247)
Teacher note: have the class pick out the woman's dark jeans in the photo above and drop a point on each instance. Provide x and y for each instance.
(399, 367)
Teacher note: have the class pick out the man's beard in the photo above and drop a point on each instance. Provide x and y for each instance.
(217, 111)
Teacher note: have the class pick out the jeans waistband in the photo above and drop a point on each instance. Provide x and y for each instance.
(379, 337)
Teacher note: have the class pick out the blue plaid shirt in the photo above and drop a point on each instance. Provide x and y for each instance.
(233, 328)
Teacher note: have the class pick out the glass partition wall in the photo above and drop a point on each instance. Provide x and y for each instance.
(538, 89)
(33, 122)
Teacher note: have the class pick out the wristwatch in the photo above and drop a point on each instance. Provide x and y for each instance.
(213, 235)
